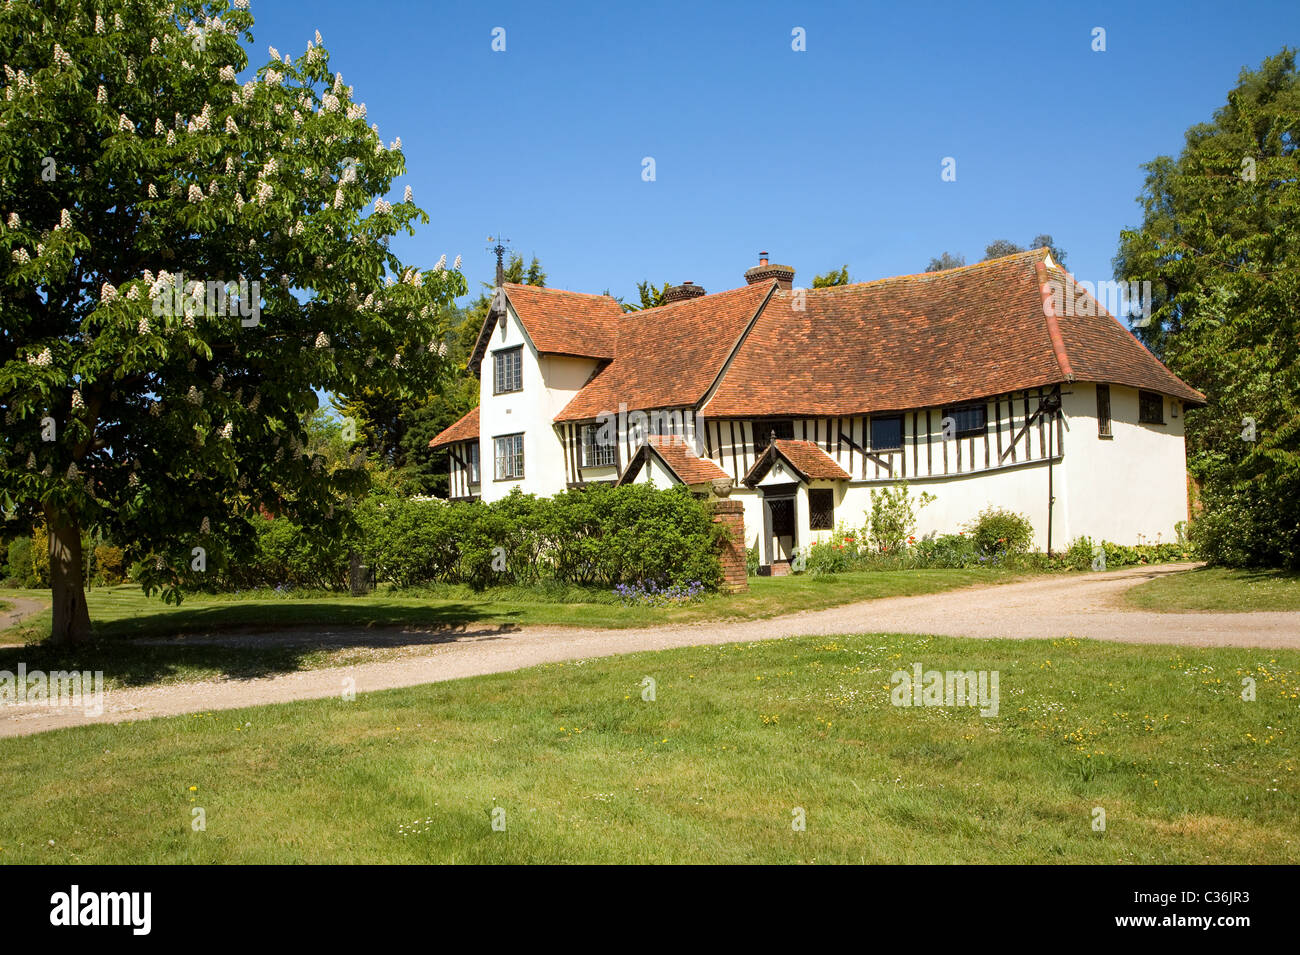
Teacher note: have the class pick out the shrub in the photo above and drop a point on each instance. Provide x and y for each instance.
(892, 518)
(997, 532)
(947, 550)
(598, 535)
(20, 562)
(109, 565)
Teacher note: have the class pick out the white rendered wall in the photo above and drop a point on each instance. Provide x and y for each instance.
(549, 382)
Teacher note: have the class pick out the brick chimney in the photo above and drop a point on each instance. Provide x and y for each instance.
(679, 293)
(763, 272)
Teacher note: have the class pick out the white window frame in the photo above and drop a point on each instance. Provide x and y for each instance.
(509, 456)
(595, 455)
(515, 371)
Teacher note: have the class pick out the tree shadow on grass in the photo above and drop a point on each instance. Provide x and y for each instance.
(236, 642)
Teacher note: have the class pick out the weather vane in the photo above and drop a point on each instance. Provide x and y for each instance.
(500, 249)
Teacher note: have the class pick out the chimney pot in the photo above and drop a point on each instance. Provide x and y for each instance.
(763, 272)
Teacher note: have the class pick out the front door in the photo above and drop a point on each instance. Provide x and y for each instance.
(783, 542)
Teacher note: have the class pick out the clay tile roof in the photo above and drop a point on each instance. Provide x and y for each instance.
(567, 323)
(924, 340)
(466, 429)
(809, 461)
(1100, 348)
(669, 356)
(682, 460)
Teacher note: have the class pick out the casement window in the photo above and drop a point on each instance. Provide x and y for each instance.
(508, 370)
(1151, 407)
(510, 457)
(763, 433)
(1103, 411)
(472, 459)
(596, 453)
(887, 433)
(970, 421)
(821, 509)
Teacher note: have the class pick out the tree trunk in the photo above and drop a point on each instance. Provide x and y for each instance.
(67, 587)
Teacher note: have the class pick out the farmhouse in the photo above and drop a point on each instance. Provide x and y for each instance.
(973, 384)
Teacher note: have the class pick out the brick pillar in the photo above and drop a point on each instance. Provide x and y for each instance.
(731, 515)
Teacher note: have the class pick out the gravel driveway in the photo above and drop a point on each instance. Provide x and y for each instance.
(1086, 606)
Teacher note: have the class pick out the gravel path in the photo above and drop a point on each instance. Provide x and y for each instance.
(19, 609)
(1080, 606)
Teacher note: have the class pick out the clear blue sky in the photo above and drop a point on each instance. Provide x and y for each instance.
(822, 157)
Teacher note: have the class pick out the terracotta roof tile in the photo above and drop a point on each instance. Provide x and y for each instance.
(684, 462)
(924, 340)
(669, 356)
(567, 323)
(466, 429)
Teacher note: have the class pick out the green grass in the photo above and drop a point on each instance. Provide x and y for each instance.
(124, 619)
(737, 738)
(1219, 589)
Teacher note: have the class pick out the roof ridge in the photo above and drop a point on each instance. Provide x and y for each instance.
(917, 276)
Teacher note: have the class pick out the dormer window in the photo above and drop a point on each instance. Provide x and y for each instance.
(508, 370)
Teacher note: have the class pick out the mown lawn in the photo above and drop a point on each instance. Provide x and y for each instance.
(124, 620)
(737, 738)
(1219, 589)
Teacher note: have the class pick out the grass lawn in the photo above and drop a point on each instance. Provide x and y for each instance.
(123, 618)
(1220, 589)
(738, 737)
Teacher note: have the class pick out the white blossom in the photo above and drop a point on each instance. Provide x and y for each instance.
(155, 408)
(153, 191)
(319, 41)
(228, 431)
(61, 57)
(263, 194)
(456, 265)
(193, 396)
(218, 382)
(442, 263)
(408, 195)
(153, 45)
(142, 328)
(101, 96)
(195, 193)
(43, 360)
(77, 400)
(382, 206)
(322, 340)
(124, 124)
(20, 255)
(99, 23)
(133, 292)
(338, 198)
(171, 137)
(275, 54)
(65, 219)
(117, 21)
(14, 221)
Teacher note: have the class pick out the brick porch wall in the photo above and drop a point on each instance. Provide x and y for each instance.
(731, 514)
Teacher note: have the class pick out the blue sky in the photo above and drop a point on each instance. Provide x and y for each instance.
(822, 157)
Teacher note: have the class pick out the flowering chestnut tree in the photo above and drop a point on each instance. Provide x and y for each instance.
(185, 263)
